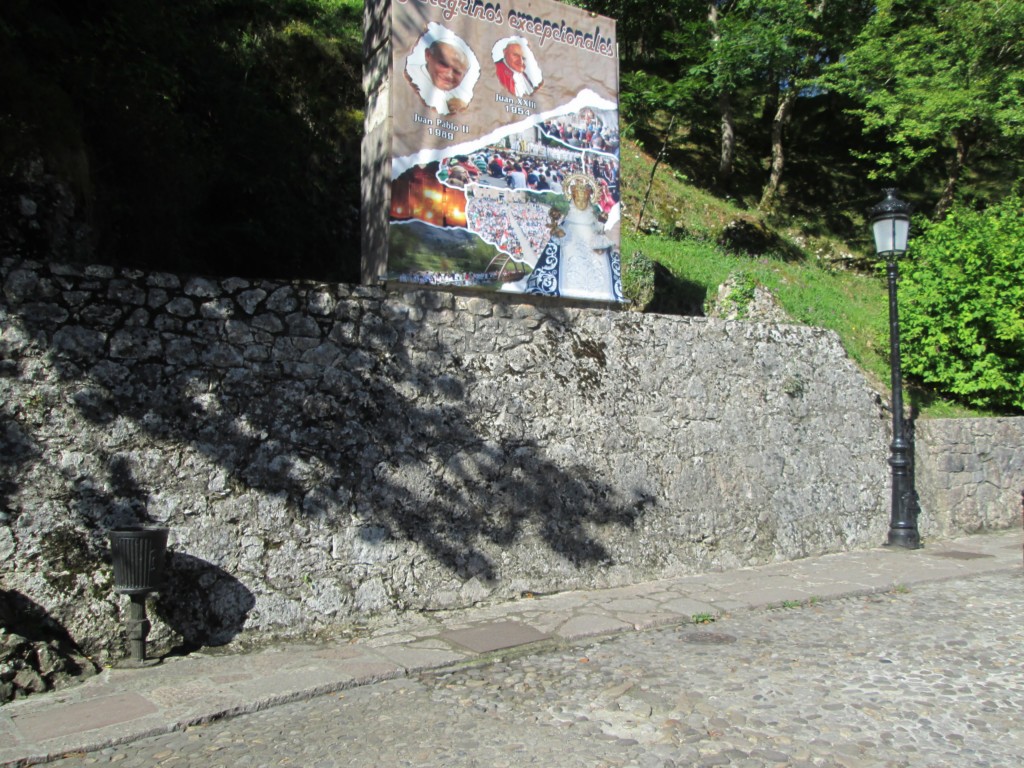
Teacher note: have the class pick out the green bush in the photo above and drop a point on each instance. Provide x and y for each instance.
(962, 306)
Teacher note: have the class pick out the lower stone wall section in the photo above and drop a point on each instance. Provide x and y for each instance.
(328, 454)
(970, 474)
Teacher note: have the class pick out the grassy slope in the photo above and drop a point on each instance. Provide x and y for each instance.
(680, 227)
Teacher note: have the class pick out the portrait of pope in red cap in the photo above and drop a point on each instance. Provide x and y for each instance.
(516, 66)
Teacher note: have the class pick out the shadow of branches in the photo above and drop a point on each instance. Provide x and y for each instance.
(337, 411)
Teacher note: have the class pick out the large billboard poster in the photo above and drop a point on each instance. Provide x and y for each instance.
(505, 148)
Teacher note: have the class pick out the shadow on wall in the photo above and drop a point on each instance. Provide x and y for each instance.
(493, 493)
(17, 450)
(37, 654)
(203, 604)
(22, 616)
(308, 398)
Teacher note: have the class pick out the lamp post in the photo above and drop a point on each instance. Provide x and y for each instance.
(890, 221)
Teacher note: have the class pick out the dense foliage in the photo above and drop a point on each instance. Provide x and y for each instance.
(940, 79)
(756, 93)
(207, 135)
(962, 305)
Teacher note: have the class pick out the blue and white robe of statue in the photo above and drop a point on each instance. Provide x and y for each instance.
(581, 264)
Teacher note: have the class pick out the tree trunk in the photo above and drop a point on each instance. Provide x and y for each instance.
(727, 157)
(657, 161)
(771, 104)
(782, 115)
(726, 162)
(784, 111)
(954, 168)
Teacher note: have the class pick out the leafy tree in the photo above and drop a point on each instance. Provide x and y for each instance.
(700, 62)
(658, 59)
(962, 305)
(769, 52)
(722, 62)
(798, 38)
(937, 77)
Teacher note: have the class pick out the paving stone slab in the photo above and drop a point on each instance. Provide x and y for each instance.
(589, 625)
(413, 659)
(688, 608)
(63, 720)
(494, 637)
(285, 684)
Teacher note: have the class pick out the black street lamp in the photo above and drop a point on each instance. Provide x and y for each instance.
(890, 220)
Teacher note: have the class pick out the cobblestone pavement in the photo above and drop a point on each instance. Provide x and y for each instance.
(926, 677)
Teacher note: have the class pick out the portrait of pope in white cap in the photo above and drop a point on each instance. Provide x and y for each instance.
(443, 70)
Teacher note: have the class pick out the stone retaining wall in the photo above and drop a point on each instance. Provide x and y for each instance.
(970, 474)
(327, 454)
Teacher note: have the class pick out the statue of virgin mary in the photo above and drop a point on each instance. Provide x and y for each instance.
(579, 261)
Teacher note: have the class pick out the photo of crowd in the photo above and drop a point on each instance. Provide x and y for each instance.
(586, 129)
(515, 189)
(518, 229)
(539, 168)
(459, 171)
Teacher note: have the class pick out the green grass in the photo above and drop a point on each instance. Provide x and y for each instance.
(673, 265)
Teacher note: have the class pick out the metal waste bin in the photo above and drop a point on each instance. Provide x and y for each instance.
(138, 556)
